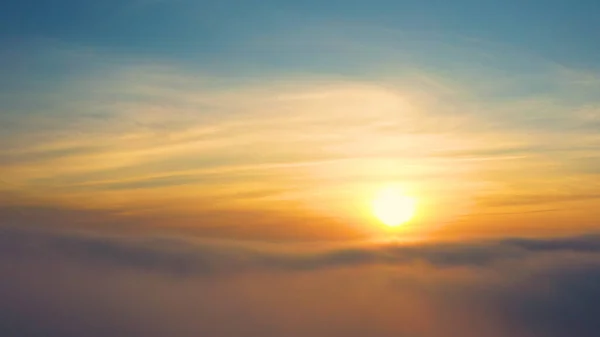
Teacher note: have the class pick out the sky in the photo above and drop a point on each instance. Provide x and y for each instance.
(224, 156)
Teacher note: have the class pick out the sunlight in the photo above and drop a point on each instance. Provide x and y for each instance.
(392, 207)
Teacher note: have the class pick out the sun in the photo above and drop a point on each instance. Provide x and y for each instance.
(392, 207)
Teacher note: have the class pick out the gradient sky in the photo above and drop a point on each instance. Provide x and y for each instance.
(206, 168)
(278, 120)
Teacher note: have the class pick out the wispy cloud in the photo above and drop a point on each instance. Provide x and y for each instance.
(130, 134)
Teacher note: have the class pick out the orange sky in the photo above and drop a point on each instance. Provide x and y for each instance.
(300, 155)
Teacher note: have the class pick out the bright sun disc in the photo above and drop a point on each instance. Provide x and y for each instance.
(393, 208)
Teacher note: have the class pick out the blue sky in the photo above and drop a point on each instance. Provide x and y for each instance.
(564, 31)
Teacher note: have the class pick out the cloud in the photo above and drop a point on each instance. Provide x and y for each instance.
(175, 255)
(91, 284)
(539, 199)
(482, 123)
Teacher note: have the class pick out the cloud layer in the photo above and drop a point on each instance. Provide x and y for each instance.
(87, 284)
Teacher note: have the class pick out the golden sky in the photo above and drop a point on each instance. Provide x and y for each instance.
(484, 148)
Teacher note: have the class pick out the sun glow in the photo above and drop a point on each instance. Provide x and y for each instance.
(392, 207)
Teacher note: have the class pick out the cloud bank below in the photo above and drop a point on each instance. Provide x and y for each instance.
(93, 285)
